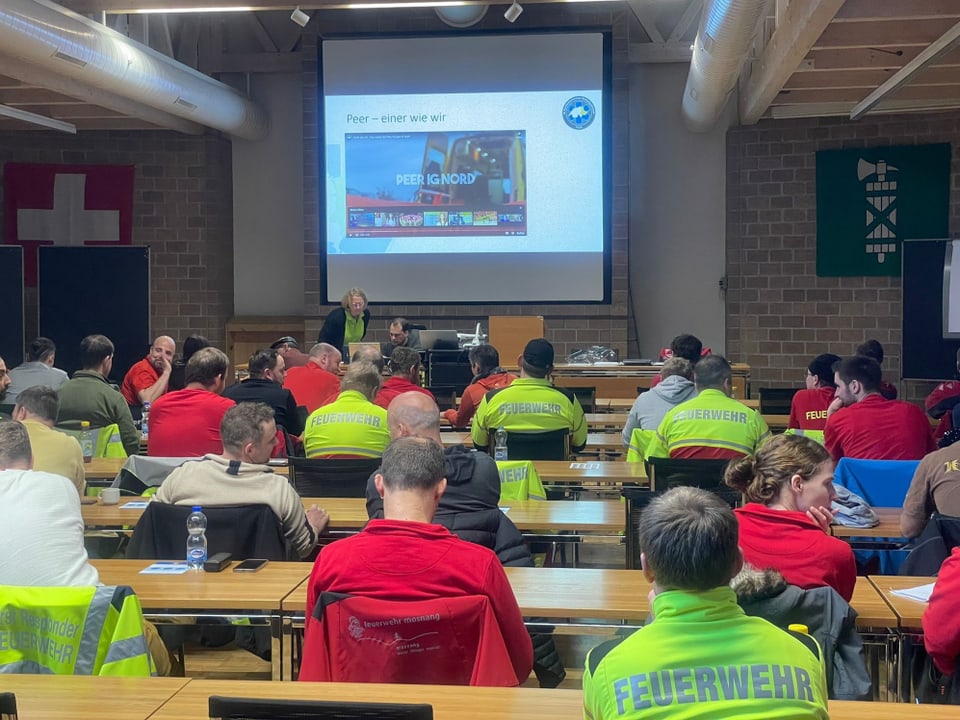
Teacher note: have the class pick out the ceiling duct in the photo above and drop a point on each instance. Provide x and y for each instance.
(721, 47)
(41, 34)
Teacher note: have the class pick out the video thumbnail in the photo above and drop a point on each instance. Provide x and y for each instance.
(436, 183)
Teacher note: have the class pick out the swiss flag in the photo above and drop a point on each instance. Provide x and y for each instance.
(65, 205)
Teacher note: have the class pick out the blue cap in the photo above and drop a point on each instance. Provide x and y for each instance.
(196, 508)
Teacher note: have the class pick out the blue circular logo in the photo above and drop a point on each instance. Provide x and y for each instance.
(579, 112)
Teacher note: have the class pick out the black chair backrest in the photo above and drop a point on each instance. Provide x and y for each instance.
(244, 531)
(535, 444)
(586, 395)
(938, 539)
(776, 401)
(446, 396)
(332, 477)
(8, 705)
(234, 708)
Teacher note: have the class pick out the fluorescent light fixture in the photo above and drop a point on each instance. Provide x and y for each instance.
(513, 12)
(41, 120)
(395, 5)
(300, 17)
(166, 10)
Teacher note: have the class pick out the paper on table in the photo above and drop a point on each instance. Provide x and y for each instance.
(168, 567)
(921, 593)
(135, 505)
(585, 466)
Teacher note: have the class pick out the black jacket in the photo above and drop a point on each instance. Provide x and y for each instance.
(276, 396)
(335, 327)
(828, 617)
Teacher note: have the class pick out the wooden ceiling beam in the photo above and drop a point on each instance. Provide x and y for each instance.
(800, 26)
(856, 95)
(940, 47)
(911, 10)
(883, 33)
(869, 78)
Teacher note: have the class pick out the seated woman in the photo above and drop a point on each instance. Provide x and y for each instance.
(785, 524)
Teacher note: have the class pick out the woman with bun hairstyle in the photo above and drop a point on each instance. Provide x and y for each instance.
(785, 525)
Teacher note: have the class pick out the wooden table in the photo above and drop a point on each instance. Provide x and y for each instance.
(872, 609)
(589, 516)
(449, 702)
(596, 441)
(255, 595)
(623, 404)
(623, 380)
(40, 697)
(889, 526)
(908, 612)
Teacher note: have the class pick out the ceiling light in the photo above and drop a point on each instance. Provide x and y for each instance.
(513, 12)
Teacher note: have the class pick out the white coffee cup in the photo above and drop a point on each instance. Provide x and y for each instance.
(110, 496)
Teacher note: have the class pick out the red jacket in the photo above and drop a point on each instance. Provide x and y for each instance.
(444, 641)
(940, 403)
(312, 386)
(410, 561)
(186, 423)
(878, 429)
(941, 630)
(396, 386)
(808, 411)
(793, 544)
(472, 396)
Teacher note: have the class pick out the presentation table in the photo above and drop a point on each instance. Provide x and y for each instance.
(49, 697)
(616, 380)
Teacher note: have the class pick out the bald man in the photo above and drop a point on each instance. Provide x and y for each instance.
(148, 379)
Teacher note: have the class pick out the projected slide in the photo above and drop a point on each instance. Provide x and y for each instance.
(467, 168)
(427, 184)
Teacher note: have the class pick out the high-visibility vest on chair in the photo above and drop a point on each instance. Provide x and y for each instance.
(519, 480)
(73, 631)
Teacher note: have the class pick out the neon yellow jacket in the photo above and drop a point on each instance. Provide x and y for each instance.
(73, 631)
(350, 425)
(529, 404)
(702, 657)
(710, 425)
(519, 480)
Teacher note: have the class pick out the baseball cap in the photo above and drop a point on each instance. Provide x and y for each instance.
(539, 353)
(284, 341)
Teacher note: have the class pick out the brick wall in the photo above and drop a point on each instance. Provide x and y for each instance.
(182, 211)
(779, 313)
(568, 326)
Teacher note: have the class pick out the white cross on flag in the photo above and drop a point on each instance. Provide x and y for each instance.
(66, 205)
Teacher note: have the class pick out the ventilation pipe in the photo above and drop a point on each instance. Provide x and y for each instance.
(721, 47)
(44, 35)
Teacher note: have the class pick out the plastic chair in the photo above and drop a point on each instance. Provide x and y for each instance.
(776, 401)
(535, 444)
(446, 641)
(882, 483)
(331, 477)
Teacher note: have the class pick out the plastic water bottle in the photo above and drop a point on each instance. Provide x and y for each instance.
(143, 421)
(86, 441)
(196, 539)
(500, 444)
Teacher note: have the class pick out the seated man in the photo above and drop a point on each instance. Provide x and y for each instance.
(941, 402)
(293, 356)
(371, 354)
(487, 376)
(406, 558)
(267, 371)
(862, 424)
(240, 476)
(89, 395)
(530, 402)
(405, 377)
(701, 657)
(53, 452)
(186, 423)
(935, 488)
(401, 335)
(318, 381)
(808, 409)
(37, 370)
(41, 529)
(4, 379)
(873, 349)
(675, 386)
(148, 379)
(712, 425)
(941, 631)
(351, 426)
(469, 507)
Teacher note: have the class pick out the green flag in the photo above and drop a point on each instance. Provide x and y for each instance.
(870, 200)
